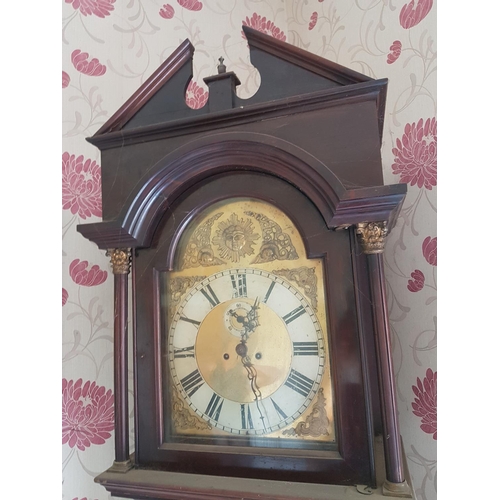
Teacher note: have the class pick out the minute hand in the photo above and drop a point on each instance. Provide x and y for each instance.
(252, 317)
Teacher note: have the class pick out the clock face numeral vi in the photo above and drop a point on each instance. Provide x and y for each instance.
(246, 417)
(228, 331)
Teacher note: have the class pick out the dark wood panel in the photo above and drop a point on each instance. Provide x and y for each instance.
(353, 462)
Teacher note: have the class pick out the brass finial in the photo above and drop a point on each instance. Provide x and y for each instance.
(221, 68)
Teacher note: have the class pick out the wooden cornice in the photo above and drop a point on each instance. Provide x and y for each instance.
(374, 89)
(180, 56)
(300, 57)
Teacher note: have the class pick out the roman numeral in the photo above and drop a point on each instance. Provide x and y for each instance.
(269, 290)
(192, 382)
(184, 352)
(214, 407)
(299, 383)
(239, 282)
(293, 315)
(210, 295)
(188, 320)
(305, 348)
(246, 420)
(281, 413)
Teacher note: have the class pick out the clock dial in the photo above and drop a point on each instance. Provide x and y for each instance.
(246, 365)
(246, 345)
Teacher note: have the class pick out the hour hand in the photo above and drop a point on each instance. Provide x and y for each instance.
(253, 318)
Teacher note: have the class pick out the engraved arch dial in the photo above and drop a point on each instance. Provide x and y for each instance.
(246, 351)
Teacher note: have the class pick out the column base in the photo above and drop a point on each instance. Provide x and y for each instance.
(399, 490)
(121, 466)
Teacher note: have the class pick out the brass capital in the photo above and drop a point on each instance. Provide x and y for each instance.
(372, 235)
(120, 259)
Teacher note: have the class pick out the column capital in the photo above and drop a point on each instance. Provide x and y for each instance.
(372, 236)
(120, 259)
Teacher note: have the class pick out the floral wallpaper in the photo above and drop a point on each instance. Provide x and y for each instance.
(109, 48)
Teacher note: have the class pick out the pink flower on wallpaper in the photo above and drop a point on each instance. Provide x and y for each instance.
(196, 97)
(81, 186)
(262, 24)
(86, 277)
(313, 20)
(411, 15)
(65, 296)
(87, 413)
(100, 8)
(190, 4)
(167, 11)
(429, 249)
(395, 52)
(425, 403)
(90, 68)
(417, 282)
(84, 498)
(65, 79)
(416, 154)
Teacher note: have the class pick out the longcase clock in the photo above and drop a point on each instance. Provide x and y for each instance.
(254, 233)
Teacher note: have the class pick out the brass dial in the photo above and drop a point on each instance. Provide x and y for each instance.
(246, 351)
(246, 344)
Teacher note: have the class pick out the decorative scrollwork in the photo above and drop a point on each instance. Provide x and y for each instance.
(276, 245)
(316, 424)
(178, 286)
(372, 236)
(120, 259)
(184, 419)
(199, 251)
(305, 278)
(235, 238)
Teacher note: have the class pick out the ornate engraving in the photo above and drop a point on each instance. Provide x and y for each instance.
(184, 419)
(372, 235)
(305, 277)
(234, 238)
(178, 286)
(276, 245)
(316, 424)
(199, 250)
(120, 259)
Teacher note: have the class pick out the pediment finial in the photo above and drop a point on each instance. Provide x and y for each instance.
(221, 68)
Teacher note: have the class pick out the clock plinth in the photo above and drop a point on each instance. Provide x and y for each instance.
(253, 231)
(150, 484)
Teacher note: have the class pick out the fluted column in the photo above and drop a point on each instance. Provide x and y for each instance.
(372, 236)
(120, 262)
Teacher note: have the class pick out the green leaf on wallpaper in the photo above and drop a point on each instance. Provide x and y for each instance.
(430, 300)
